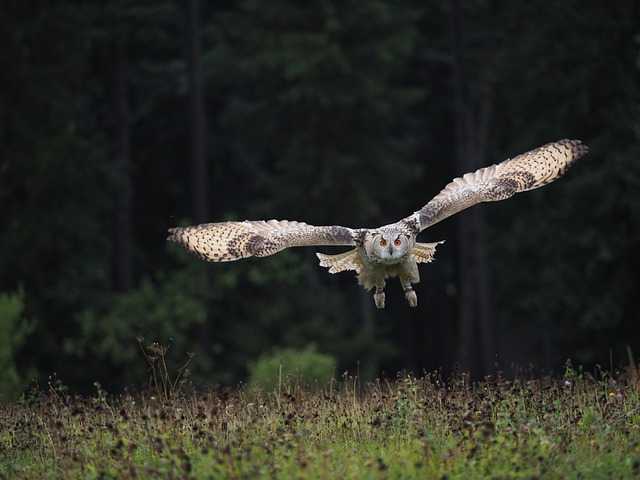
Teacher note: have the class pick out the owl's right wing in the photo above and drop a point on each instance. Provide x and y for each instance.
(228, 241)
(498, 182)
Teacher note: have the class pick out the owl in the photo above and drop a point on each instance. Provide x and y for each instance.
(391, 250)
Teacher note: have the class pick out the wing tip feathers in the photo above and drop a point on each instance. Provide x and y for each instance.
(173, 234)
(577, 147)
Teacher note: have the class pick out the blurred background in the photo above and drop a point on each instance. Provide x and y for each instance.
(121, 119)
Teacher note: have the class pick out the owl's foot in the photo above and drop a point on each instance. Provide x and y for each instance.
(411, 296)
(378, 297)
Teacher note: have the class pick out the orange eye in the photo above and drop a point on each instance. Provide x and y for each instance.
(383, 242)
(397, 242)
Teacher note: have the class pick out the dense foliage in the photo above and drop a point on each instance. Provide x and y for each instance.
(13, 332)
(321, 111)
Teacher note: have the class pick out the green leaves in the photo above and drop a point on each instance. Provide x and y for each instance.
(14, 329)
(169, 309)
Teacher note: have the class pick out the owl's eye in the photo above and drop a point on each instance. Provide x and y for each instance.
(397, 242)
(383, 242)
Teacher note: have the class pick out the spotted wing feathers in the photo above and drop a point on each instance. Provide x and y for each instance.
(498, 182)
(228, 241)
(342, 261)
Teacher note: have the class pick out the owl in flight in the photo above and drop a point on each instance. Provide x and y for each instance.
(390, 250)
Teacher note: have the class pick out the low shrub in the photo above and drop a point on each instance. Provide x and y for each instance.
(305, 367)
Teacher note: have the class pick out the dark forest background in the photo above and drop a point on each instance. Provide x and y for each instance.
(121, 119)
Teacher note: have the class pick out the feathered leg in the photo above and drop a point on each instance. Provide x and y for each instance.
(378, 297)
(408, 276)
(409, 292)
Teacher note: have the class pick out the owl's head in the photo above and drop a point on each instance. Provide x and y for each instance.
(389, 246)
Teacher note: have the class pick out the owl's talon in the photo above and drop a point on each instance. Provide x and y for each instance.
(378, 297)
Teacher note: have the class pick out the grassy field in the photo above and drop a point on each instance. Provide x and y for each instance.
(573, 427)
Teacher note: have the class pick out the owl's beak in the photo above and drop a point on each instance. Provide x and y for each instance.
(390, 251)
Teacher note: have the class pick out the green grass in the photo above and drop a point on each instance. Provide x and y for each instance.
(575, 427)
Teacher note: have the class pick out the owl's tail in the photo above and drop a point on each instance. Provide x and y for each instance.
(341, 262)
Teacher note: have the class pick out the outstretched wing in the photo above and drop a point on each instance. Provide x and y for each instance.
(228, 241)
(498, 182)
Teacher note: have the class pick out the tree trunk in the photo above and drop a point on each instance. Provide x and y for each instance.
(199, 171)
(476, 347)
(123, 271)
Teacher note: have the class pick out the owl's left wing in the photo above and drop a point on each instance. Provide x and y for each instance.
(228, 241)
(498, 182)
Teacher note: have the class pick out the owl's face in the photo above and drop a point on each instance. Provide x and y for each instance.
(389, 247)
